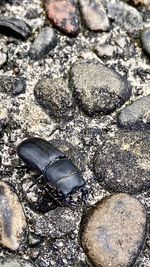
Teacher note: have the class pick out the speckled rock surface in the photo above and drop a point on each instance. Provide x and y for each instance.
(98, 88)
(11, 85)
(10, 262)
(55, 97)
(112, 235)
(122, 163)
(136, 115)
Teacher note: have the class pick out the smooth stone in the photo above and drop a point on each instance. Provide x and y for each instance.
(94, 15)
(3, 59)
(14, 27)
(11, 85)
(63, 14)
(113, 232)
(55, 98)
(11, 262)
(136, 115)
(104, 50)
(125, 16)
(122, 163)
(12, 218)
(145, 40)
(43, 43)
(98, 89)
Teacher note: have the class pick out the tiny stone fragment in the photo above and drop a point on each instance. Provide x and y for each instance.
(19, 87)
(12, 218)
(99, 89)
(14, 27)
(43, 43)
(3, 59)
(145, 40)
(63, 14)
(104, 50)
(136, 115)
(55, 98)
(113, 233)
(11, 85)
(95, 15)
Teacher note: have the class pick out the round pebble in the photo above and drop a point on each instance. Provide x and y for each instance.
(145, 40)
(113, 232)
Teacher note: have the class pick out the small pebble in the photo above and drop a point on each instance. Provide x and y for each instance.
(19, 87)
(32, 13)
(136, 115)
(104, 50)
(55, 98)
(95, 15)
(113, 232)
(43, 43)
(3, 59)
(11, 85)
(12, 218)
(145, 40)
(14, 27)
(63, 14)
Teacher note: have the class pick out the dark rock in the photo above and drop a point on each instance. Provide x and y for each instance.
(14, 27)
(55, 97)
(94, 15)
(32, 13)
(145, 40)
(11, 85)
(3, 59)
(122, 163)
(12, 218)
(114, 231)
(63, 14)
(43, 43)
(136, 115)
(99, 89)
(125, 16)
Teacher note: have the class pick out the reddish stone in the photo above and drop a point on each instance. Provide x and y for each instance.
(63, 14)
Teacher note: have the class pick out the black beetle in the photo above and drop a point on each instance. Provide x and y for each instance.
(58, 171)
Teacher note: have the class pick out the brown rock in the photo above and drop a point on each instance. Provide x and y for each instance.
(63, 14)
(12, 218)
(115, 230)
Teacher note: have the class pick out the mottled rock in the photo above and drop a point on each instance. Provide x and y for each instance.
(11, 262)
(125, 16)
(104, 50)
(32, 13)
(122, 164)
(113, 233)
(43, 43)
(136, 115)
(145, 40)
(3, 59)
(11, 85)
(95, 15)
(55, 97)
(142, 2)
(12, 218)
(14, 27)
(4, 118)
(63, 14)
(98, 88)
(56, 223)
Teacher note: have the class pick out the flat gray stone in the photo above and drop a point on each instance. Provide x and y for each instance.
(136, 115)
(113, 232)
(98, 89)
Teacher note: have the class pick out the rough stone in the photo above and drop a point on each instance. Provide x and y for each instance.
(136, 115)
(3, 59)
(145, 40)
(113, 233)
(98, 88)
(14, 27)
(11, 262)
(95, 15)
(4, 118)
(32, 13)
(55, 97)
(104, 50)
(12, 218)
(43, 43)
(63, 14)
(121, 164)
(11, 85)
(125, 16)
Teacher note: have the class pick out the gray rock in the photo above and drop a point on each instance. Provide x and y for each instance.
(104, 50)
(99, 89)
(114, 231)
(55, 97)
(43, 43)
(32, 13)
(11, 262)
(95, 15)
(56, 223)
(136, 115)
(126, 16)
(11, 85)
(14, 27)
(145, 40)
(12, 218)
(122, 163)
(3, 59)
